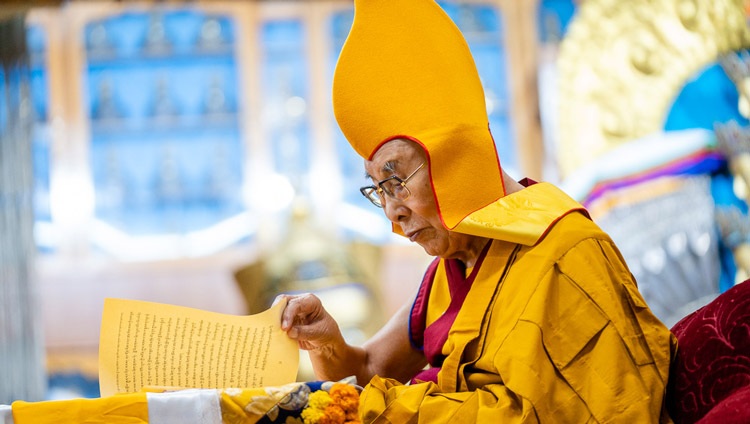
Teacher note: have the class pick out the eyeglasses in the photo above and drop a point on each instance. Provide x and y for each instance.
(392, 186)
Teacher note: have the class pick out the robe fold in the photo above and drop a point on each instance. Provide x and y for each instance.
(554, 331)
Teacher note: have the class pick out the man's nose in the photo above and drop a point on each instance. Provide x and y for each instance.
(395, 210)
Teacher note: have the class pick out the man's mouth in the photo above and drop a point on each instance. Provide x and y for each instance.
(413, 235)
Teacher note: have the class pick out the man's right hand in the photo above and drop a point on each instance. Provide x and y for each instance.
(305, 319)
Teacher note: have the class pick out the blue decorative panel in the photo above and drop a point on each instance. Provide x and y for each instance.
(166, 152)
(553, 19)
(708, 98)
(72, 384)
(36, 42)
(285, 75)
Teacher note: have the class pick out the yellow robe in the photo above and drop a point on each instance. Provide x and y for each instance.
(552, 332)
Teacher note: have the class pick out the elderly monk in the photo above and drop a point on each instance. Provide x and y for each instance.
(528, 313)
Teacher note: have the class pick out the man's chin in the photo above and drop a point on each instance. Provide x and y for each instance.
(428, 249)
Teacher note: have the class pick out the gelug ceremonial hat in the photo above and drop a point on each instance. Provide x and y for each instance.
(406, 71)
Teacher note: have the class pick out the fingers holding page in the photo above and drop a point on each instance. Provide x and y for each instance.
(302, 309)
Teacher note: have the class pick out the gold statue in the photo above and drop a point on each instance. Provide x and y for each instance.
(622, 64)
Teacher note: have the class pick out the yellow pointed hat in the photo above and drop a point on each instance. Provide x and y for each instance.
(406, 72)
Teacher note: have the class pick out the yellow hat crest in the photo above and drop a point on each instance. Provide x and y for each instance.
(406, 72)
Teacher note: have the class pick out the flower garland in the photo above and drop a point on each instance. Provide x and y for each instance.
(340, 405)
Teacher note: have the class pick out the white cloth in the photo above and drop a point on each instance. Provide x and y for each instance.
(194, 406)
(628, 159)
(6, 414)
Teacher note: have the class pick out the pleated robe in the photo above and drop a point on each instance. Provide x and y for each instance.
(554, 331)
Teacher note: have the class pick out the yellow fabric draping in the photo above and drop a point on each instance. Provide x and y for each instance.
(128, 408)
(555, 332)
(238, 406)
(522, 217)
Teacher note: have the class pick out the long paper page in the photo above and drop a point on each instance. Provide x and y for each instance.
(145, 344)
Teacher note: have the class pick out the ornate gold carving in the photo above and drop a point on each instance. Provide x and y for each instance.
(622, 63)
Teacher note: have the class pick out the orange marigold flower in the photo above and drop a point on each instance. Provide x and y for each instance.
(345, 396)
(341, 390)
(349, 404)
(333, 415)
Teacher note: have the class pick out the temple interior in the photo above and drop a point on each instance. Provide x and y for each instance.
(186, 152)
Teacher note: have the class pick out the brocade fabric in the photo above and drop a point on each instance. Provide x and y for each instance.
(710, 377)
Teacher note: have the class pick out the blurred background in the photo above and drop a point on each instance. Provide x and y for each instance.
(186, 152)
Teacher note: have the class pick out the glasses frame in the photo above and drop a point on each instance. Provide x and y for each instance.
(374, 193)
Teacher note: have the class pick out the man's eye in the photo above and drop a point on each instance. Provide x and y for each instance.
(391, 185)
(396, 187)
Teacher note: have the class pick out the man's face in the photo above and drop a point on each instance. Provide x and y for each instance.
(417, 215)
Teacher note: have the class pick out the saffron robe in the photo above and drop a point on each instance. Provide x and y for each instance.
(555, 331)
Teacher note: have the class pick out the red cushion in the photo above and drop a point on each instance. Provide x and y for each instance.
(713, 359)
(734, 409)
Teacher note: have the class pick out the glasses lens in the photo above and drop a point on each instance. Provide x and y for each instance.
(392, 186)
(395, 188)
(400, 191)
(371, 193)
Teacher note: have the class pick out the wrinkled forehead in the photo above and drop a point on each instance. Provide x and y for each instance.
(393, 155)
